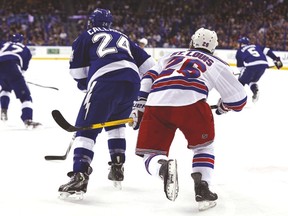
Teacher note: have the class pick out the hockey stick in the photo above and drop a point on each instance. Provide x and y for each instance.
(51, 87)
(213, 106)
(238, 73)
(61, 121)
(61, 157)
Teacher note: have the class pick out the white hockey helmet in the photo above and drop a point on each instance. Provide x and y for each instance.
(205, 39)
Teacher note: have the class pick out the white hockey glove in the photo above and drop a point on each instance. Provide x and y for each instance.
(221, 108)
(278, 63)
(137, 113)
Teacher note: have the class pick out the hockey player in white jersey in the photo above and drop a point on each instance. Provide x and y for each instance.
(173, 94)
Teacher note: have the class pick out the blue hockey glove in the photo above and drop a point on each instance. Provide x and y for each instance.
(82, 84)
(278, 63)
(221, 108)
(137, 113)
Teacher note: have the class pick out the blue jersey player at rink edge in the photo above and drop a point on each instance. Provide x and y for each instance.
(108, 66)
(173, 94)
(252, 63)
(14, 61)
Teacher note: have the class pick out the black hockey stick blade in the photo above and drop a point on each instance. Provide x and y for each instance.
(61, 121)
(213, 106)
(55, 157)
(62, 157)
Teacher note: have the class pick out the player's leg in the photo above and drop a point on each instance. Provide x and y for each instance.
(22, 92)
(161, 166)
(117, 148)
(259, 71)
(96, 107)
(250, 77)
(199, 132)
(90, 112)
(203, 165)
(125, 93)
(154, 140)
(4, 99)
(76, 186)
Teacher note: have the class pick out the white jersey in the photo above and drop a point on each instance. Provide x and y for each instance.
(183, 78)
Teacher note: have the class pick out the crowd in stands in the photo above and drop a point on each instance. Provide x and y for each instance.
(165, 23)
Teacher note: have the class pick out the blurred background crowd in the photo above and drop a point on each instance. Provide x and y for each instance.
(165, 23)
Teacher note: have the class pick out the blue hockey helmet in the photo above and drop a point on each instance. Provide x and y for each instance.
(17, 38)
(244, 40)
(100, 18)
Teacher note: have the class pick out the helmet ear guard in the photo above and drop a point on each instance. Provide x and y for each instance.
(204, 39)
(100, 18)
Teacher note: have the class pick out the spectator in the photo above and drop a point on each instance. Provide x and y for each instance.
(263, 22)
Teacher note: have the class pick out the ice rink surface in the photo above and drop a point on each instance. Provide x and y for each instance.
(251, 166)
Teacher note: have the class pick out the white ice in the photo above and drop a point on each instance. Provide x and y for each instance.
(251, 167)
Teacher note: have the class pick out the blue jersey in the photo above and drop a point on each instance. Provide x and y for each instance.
(252, 55)
(16, 51)
(107, 54)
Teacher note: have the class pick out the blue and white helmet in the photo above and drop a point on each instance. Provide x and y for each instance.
(100, 18)
(15, 38)
(244, 40)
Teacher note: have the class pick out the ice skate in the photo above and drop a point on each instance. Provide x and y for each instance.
(204, 197)
(76, 187)
(255, 90)
(168, 172)
(255, 96)
(116, 174)
(4, 116)
(29, 124)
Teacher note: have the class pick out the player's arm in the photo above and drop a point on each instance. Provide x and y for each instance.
(232, 92)
(139, 105)
(79, 63)
(239, 61)
(143, 60)
(26, 58)
(277, 61)
(146, 65)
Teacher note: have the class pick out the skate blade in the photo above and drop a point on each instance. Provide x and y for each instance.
(172, 187)
(204, 205)
(4, 118)
(30, 127)
(117, 185)
(79, 195)
(255, 99)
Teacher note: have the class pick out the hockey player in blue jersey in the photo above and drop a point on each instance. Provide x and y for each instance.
(108, 66)
(252, 63)
(14, 61)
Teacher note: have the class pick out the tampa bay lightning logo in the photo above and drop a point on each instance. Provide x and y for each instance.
(87, 102)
